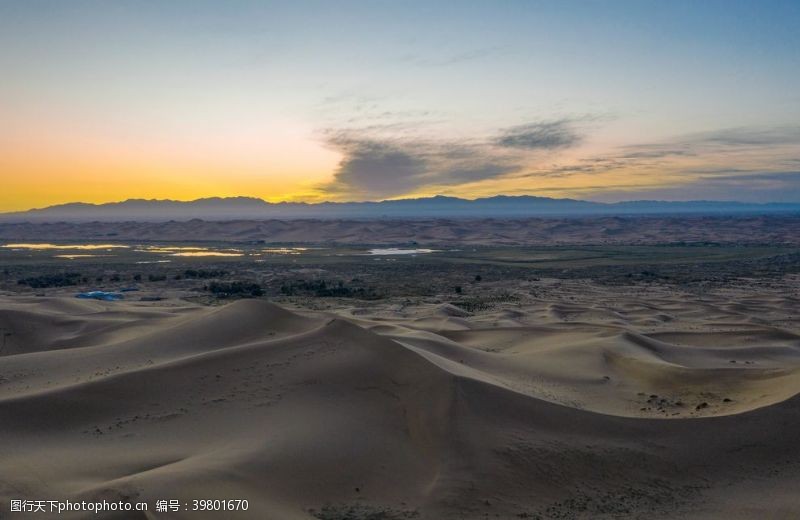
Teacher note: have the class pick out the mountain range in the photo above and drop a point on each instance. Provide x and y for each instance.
(502, 206)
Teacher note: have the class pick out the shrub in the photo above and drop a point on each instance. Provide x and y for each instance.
(325, 288)
(204, 273)
(225, 290)
(51, 280)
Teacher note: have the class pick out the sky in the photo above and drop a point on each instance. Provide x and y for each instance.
(316, 100)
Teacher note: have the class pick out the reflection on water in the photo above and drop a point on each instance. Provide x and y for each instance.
(65, 246)
(189, 251)
(161, 249)
(167, 250)
(285, 250)
(397, 251)
(195, 251)
(206, 253)
(73, 257)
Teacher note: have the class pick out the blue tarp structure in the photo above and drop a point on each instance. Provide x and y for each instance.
(100, 295)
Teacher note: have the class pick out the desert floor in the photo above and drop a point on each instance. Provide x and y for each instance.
(565, 399)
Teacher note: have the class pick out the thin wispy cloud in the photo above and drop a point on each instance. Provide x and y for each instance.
(723, 150)
(748, 136)
(756, 164)
(546, 135)
(781, 186)
(455, 58)
(725, 140)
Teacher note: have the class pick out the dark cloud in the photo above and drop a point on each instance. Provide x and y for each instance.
(376, 169)
(374, 165)
(548, 135)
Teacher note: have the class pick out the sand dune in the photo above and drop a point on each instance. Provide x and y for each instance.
(775, 229)
(641, 410)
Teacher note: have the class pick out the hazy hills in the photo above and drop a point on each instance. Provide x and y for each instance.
(599, 229)
(237, 208)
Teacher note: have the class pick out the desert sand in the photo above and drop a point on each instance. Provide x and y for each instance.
(744, 229)
(593, 403)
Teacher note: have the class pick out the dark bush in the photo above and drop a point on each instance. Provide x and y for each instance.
(325, 288)
(204, 274)
(51, 280)
(225, 290)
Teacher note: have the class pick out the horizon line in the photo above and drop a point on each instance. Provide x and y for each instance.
(379, 201)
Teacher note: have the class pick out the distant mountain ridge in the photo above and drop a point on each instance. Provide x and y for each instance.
(501, 206)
